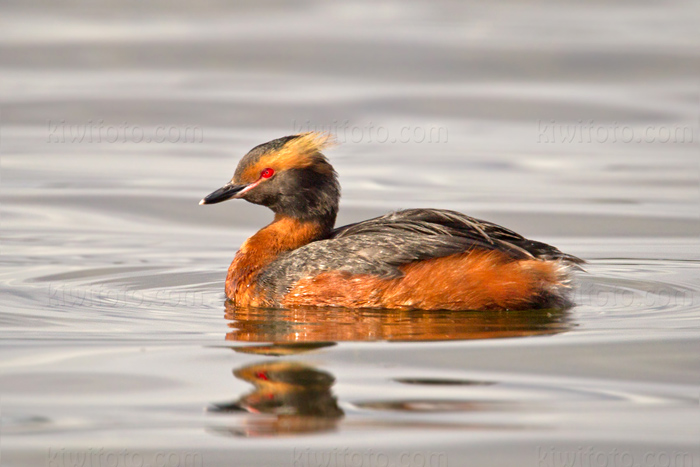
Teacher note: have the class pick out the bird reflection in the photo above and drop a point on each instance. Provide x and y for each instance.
(313, 325)
(296, 397)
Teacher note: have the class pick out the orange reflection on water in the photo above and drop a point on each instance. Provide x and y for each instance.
(290, 397)
(341, 324)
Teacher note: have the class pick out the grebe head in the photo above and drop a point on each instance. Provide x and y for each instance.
(288, 175)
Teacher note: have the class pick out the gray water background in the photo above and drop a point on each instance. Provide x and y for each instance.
(573, 123)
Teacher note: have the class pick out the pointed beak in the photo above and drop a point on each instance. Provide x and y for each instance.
(228, 191)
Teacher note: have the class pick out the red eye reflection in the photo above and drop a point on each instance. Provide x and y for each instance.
(267, 173)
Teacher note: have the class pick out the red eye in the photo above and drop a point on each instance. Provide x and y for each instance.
(267, 173)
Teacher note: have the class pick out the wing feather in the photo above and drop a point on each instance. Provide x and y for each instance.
(381, 245)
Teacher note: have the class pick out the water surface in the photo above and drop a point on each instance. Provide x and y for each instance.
(117, 343)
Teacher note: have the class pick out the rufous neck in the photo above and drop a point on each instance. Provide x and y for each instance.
(284, 234)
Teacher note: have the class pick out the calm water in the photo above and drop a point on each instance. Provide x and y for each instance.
(576, 124)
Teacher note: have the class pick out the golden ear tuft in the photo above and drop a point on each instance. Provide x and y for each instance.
(309, 143)
(303, 151)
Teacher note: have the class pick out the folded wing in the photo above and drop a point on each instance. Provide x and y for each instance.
(381, 245)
